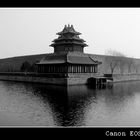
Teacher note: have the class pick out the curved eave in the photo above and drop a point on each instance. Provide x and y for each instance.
(83, 63)
(50, 63)
(59, 44)
(61, 39)
(99, 63)
(67, 32)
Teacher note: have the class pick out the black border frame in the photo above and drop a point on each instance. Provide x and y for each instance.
(76, 132)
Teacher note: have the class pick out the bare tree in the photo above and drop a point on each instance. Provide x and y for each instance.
(130, 64)
(25, 67)
(136, 67)
(115, 60)
(122, 64)
(112, 63)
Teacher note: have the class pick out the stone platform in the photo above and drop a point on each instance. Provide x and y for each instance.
(66, 79)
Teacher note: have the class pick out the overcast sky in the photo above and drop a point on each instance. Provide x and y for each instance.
(26, 31)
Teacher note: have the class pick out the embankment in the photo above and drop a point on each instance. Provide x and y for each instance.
(125, 77)
(34, 78)
(56, 79)
(61, 79)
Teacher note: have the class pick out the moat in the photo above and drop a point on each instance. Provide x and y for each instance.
(26, 104)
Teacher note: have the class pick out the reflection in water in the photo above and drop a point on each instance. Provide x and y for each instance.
(49, 105)
(66, 102)
(19, 100)
(115, 107)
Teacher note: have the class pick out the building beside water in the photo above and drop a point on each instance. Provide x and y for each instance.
(69, 64)
(69, 60)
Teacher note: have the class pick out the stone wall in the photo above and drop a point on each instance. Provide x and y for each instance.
(125, 77)
(14, 64)
(72, 79)
(104, 68)
(81, 78)
(33, 79)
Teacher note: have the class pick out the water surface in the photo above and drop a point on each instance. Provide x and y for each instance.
(26, 104)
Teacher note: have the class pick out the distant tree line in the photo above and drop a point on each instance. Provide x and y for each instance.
(27, 67)
(116, 60)
(113, 59)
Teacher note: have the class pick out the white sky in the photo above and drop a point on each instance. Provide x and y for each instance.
(26, 31)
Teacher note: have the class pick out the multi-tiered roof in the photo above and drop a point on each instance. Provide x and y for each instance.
(68, 36)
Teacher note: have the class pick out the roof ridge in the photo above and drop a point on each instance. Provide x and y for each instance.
(98, 62)
(92, 59)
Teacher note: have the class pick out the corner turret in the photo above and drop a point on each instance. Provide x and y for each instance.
(68, 40)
